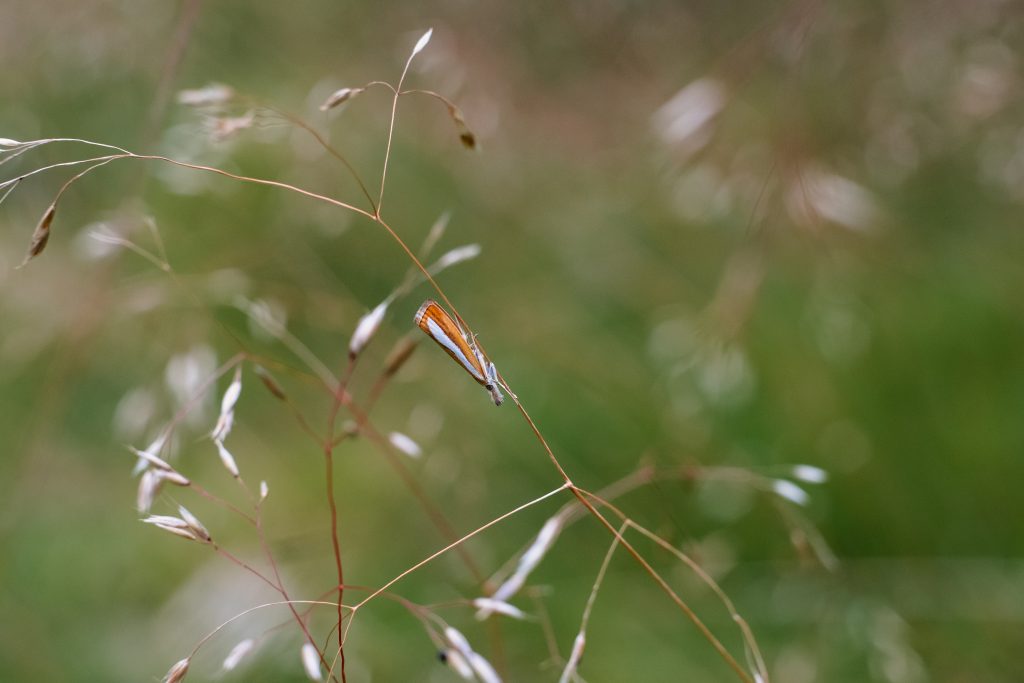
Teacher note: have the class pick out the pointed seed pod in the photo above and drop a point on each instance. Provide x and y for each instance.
(177, 672)
(340, 97)
(41, 235)
(311, 662)
(271, 384)
(396, 359)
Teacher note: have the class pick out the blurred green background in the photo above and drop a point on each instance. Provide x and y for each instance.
(731, 234)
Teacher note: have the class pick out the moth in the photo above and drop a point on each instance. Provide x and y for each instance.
(460, 344)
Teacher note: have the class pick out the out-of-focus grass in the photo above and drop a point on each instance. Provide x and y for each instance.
(647, 296)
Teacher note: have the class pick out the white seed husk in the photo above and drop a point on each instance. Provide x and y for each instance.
(483, 669)
(459, 664)
(810, 474)
(311, 662)
(227, 459)
(422, 43)
(193, 523)
(790, 491)
(405, 444)
(237, 654)
(366, 328)
(488, 606)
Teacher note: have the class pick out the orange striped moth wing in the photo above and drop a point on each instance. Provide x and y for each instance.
(450, 336)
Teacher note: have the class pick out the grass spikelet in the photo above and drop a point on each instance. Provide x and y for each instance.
(237, 654)
(790, 491)
(224, 127)
(405, 444)
(466, 136)
(527, 562)
(149, 489)
(311, 662)
(193, 523)
(227, 459)
(41, 235)
(810, 474)
(226, 419)
(422, 42)
(399, 355)
(483, 669)
(271, 384)
(207, 96)
(177, 672)
(456, 255)
(366, 328)
(340, 97)
(174, 525)
(454, 659)
(489, 605)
